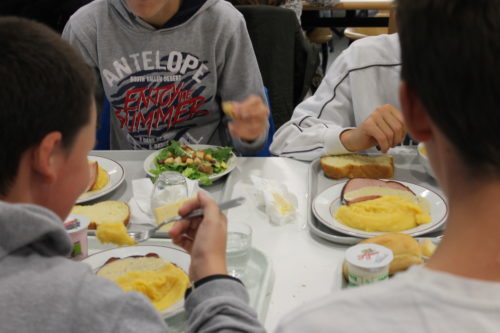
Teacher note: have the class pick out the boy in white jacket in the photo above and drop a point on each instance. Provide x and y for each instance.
(356, 107)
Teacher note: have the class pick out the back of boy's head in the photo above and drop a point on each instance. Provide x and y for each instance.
(451, 59)
(45, 86)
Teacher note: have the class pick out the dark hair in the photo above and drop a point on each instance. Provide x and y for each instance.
(45, 86)
(451, 59)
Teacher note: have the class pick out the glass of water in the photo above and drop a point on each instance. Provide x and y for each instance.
(239, 242)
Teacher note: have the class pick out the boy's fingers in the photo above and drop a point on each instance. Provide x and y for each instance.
(188, 206)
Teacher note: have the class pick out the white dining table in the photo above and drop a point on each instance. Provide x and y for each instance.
(305, 266)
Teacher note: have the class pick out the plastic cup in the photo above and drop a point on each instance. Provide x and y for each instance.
(367, 263)
(77, 232)
(239, 243)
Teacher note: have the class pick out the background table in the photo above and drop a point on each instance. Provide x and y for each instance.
(311, 18)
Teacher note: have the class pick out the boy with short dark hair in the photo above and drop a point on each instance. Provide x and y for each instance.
(449, 95)
(48, 120)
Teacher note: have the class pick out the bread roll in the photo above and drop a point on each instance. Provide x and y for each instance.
(406, 250)
(357, 166)
(105, 211)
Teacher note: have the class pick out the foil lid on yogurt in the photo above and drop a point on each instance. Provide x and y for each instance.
(369, 256)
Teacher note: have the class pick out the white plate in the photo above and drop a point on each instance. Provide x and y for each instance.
(149, 162)
(171, 254)
(116, 177)
(326, 203)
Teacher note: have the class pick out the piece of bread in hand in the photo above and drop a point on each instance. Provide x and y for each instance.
(228, 109)
(105, 211)
(358, 166)
(406, 250)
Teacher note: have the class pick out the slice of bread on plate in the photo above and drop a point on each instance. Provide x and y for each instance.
(116, 268)
(105, 211)
(357, 166)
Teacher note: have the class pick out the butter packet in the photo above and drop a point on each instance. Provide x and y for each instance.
(278, 203)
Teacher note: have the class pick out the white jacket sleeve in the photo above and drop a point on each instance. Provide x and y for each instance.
(364, 77)
(318, 121)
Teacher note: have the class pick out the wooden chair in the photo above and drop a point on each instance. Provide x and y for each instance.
(354, 33)
(321, 36)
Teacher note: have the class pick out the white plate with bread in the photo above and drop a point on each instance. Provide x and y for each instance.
(115, 176)
(326, 203)
(176, 256)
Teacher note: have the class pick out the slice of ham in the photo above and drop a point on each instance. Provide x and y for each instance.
(356, 184)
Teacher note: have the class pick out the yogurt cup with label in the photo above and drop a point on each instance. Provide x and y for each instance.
(76, 226)
(367, 263)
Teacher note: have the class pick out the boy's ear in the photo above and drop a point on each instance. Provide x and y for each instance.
(45, 156)
(415, 115)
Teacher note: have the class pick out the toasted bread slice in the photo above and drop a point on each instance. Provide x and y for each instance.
(105, 211)
(358, 166)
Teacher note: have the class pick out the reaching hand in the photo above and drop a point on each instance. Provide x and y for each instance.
(204, 238)
(384, 127)
(249, 119)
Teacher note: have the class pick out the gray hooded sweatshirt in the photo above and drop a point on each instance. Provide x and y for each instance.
(42, 291)
(168, 83)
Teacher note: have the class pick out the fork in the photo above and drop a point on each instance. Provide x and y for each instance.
(141, 236)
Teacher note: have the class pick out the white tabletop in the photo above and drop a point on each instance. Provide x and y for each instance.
(305, 266)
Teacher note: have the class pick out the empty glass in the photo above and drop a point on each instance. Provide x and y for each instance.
(170, 187)
(239, 242)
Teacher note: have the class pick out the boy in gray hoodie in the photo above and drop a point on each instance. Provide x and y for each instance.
(167, 65)
(47, 119)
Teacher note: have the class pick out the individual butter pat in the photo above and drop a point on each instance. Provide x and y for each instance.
(113, 232)
(168, 211)
(386, 214)
(164, 287)
(283, 206)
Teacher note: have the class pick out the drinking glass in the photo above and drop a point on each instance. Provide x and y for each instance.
(170, 187)
(239, 242)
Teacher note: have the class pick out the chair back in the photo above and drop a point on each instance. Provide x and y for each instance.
(286, 59)
(102, 133)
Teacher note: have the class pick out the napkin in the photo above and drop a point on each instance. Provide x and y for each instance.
(140, 203)
(279, 203)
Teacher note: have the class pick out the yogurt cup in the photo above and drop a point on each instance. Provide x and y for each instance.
(367, 263)
(77, 231)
